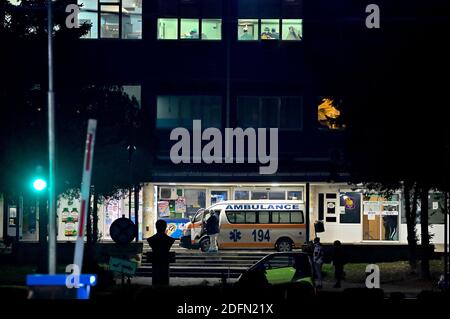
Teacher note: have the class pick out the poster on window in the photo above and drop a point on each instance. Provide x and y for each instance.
(350, 207)
(163, 208)
(389, 208)
(112, 212)
(180, 205)
(371, 208)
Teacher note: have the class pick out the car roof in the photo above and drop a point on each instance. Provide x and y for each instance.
(286, 253)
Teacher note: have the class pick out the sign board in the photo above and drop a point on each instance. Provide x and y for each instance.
(123, 231)
(122, 266)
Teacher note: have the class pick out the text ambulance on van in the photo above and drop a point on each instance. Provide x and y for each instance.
(250, 224)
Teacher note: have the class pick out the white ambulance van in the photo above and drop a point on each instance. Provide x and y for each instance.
(250, 224)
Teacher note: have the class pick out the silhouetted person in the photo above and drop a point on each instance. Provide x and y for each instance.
(212, 229)
(318, 261)
(339, 261)
(160, 244)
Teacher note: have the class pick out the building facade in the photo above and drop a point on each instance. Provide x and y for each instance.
(231, 64)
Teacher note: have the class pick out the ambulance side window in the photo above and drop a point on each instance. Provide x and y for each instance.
(250, 217)
(198, 217)
(263, 217)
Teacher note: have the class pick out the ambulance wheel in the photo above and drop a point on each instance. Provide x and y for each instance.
(204, 244)
(284, 244)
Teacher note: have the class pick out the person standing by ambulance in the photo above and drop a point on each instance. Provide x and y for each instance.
(212, 230)
(318, 261)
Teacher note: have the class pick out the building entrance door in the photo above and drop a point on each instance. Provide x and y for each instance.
(380, 217)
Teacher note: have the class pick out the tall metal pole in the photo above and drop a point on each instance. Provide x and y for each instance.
(446, 210)
(51, 149)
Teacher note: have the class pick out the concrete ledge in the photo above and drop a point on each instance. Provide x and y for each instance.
(31, 252)
(373, 253)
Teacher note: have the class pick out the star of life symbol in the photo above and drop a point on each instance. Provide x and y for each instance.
(235, 235)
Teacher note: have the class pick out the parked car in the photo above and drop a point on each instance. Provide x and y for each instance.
(285, 269)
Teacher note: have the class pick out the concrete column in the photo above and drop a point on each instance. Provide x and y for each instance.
(149, 215)
(313, 211)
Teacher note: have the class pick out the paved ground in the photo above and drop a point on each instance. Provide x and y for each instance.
(180, 281)
(409, 289)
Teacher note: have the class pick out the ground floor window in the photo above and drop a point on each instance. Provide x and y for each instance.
(218, 196)
(380, 217)
(268, 193)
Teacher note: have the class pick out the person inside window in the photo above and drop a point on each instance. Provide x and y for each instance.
(274, 34)
(293, 34)
(266, 35)
(246, 35)
(193, 34)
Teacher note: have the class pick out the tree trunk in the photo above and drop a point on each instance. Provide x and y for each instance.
(410, 214)
(425, 237)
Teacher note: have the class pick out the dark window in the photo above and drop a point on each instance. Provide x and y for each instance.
(180, 111)
(281, 112)
(321, 204)
(331, 219)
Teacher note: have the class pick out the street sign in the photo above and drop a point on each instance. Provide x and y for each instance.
(122, 266)
(85, 190)
(122, 231)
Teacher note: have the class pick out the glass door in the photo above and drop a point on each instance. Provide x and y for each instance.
(380, 217)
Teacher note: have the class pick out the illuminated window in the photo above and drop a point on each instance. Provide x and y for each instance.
(109, 19)
(248, 29)
(118, 18)
(89, 15)
(329, 115)
(292, 29)
(189, 29)
(270, 29)
(211, 29)
(131, 19)
(167, 29)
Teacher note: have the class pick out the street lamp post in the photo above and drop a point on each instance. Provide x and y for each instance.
(51, 149)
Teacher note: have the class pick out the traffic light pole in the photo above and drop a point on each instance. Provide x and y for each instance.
(51, 149)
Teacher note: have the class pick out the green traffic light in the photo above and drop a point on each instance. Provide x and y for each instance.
(39, 184)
